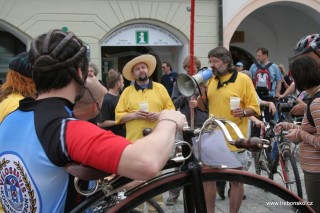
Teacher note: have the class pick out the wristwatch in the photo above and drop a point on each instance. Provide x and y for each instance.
(244, 113)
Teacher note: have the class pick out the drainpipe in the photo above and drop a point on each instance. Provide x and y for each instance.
(220, 22)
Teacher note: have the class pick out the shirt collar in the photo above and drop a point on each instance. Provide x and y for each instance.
(232, 79)
(138, 87)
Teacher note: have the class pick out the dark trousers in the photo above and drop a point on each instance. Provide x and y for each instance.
(312, 183)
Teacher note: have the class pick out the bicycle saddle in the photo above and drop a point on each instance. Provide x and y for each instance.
(84, 172)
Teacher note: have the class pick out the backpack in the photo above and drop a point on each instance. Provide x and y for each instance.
(262, 80)
(309, 116)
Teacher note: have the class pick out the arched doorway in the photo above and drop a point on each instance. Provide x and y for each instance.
(135, 39)
(239, 54)
(10, 46)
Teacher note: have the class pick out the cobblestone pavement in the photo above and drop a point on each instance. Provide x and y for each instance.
(255, 202)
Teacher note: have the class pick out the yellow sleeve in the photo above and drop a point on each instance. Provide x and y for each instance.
(252, 97)
(121, 108)
(166, 98)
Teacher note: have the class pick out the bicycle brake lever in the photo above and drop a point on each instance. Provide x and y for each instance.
(178, 151)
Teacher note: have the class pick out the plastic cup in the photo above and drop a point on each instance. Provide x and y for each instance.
(144, 106)
(234, 103)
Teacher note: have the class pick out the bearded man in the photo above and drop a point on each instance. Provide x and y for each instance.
(140, 103)
(227, 82)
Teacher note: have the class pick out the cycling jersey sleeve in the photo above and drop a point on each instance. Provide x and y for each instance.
(94, 147)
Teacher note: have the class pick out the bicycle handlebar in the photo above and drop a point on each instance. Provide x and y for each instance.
(252, 144)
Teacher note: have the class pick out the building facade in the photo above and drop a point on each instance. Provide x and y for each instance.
(115, 31)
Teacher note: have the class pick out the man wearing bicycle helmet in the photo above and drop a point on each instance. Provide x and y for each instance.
(42, 136)
(305, 68)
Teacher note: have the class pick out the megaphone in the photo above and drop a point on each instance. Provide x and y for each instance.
(187, 85)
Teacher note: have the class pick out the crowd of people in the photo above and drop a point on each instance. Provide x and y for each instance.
(51, 92)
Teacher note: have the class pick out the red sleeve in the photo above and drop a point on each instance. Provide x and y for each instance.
(93, 146)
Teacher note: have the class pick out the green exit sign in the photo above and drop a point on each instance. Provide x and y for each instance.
(142, 37)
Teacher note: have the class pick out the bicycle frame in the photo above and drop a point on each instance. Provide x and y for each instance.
(284, 150)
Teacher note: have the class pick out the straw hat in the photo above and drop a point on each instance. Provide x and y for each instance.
(149, 60)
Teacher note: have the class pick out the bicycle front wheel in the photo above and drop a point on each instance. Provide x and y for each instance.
(262, 194)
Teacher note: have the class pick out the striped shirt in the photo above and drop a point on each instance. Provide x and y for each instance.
(310, 137)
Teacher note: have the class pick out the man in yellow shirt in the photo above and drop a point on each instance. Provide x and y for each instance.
(228, 82)
(140, 103)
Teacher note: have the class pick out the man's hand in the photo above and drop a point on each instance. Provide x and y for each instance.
(259, 124)
(239, 113)
(203, 90)
(193, 104)
(281, 96)
(141, 114)
(153, 116)
(272, 107)
(298, 109)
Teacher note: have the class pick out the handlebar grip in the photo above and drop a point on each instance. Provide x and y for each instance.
(253, 144)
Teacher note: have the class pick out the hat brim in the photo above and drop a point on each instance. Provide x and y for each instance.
(149, 60)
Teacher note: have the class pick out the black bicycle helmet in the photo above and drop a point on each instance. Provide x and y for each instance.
(51, 57)
(308, 43)
(20, 64)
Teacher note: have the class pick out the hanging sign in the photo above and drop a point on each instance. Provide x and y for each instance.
(142, 35)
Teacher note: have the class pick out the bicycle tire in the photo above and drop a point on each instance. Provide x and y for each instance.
(180, 179)
(292, 172)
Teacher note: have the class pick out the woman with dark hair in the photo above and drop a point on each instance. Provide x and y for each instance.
(306, 74)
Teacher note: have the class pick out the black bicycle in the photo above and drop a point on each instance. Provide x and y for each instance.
(109, 196)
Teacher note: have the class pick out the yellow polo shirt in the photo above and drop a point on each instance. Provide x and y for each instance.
(219, 101)
(158, 99)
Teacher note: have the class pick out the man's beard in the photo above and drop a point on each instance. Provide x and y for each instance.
(220, 71)
(143, 78)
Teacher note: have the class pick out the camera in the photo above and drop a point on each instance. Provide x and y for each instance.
(287, 104)
(285, 107)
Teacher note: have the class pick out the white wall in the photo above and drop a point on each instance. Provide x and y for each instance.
(93, 20)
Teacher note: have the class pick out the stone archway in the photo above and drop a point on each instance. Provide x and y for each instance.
(275, 25)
